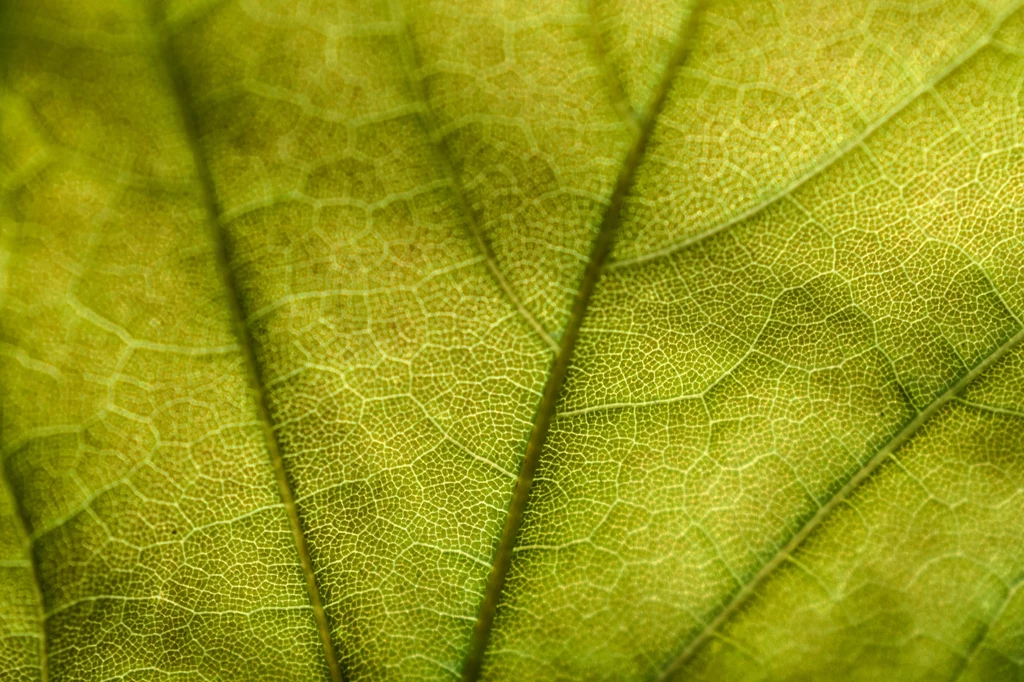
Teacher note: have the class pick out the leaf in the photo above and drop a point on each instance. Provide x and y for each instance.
(555, 341)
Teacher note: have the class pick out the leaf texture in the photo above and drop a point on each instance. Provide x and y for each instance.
(564, 340)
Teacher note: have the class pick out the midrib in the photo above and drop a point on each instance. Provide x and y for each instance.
(254, 376)
(600, 250)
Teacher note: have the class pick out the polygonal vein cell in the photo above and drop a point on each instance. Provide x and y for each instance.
(130, 437)
(724, 400)
(474, 665)
(238, 318)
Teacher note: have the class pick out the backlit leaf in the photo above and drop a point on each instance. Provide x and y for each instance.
(563, 340)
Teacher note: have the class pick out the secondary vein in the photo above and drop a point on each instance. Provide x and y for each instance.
(836, 156)
(220, 240)
(975, 646)
(427, 119)
(556, 377)
(37, 586)
(901, 437)
(616, 89)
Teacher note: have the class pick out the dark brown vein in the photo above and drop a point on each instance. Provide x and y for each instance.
(901, 437)
(410, 64)
(836, 156)
(556, 377)
(254, 376)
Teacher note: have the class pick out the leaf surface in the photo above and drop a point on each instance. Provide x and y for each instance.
(556, 341)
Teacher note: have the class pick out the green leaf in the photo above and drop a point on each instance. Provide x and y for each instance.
(493, 340)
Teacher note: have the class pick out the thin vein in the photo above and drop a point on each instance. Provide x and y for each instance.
(410, 65)
(556, 377)
(975, 645)
(5, 476)
(901, 437)
(616, 91)
(991, 408)
(220, 240)
(836, 156)
(37, 585)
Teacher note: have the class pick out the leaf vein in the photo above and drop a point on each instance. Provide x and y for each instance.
(613, 82)
(862, 474)
(427, 121)
(988, 38)
(600, 250)
(186, 108)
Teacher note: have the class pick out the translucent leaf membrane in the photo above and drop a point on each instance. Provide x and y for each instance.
(774, 92)
(346, 237)
(402, 376)
(721, 394)
(130, 437)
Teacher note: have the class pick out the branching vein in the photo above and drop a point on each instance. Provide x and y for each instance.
(427, 120)
(556, 377)
(786, 552)
(836, 156)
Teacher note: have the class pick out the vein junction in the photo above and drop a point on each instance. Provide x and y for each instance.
(802, 424)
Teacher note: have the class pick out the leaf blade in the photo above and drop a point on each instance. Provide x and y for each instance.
(721, 392)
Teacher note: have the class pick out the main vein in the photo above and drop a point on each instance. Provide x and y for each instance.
(901, 437)
(556, 377)
(237, 310)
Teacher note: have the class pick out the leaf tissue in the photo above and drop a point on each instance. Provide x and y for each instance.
(512, 340)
